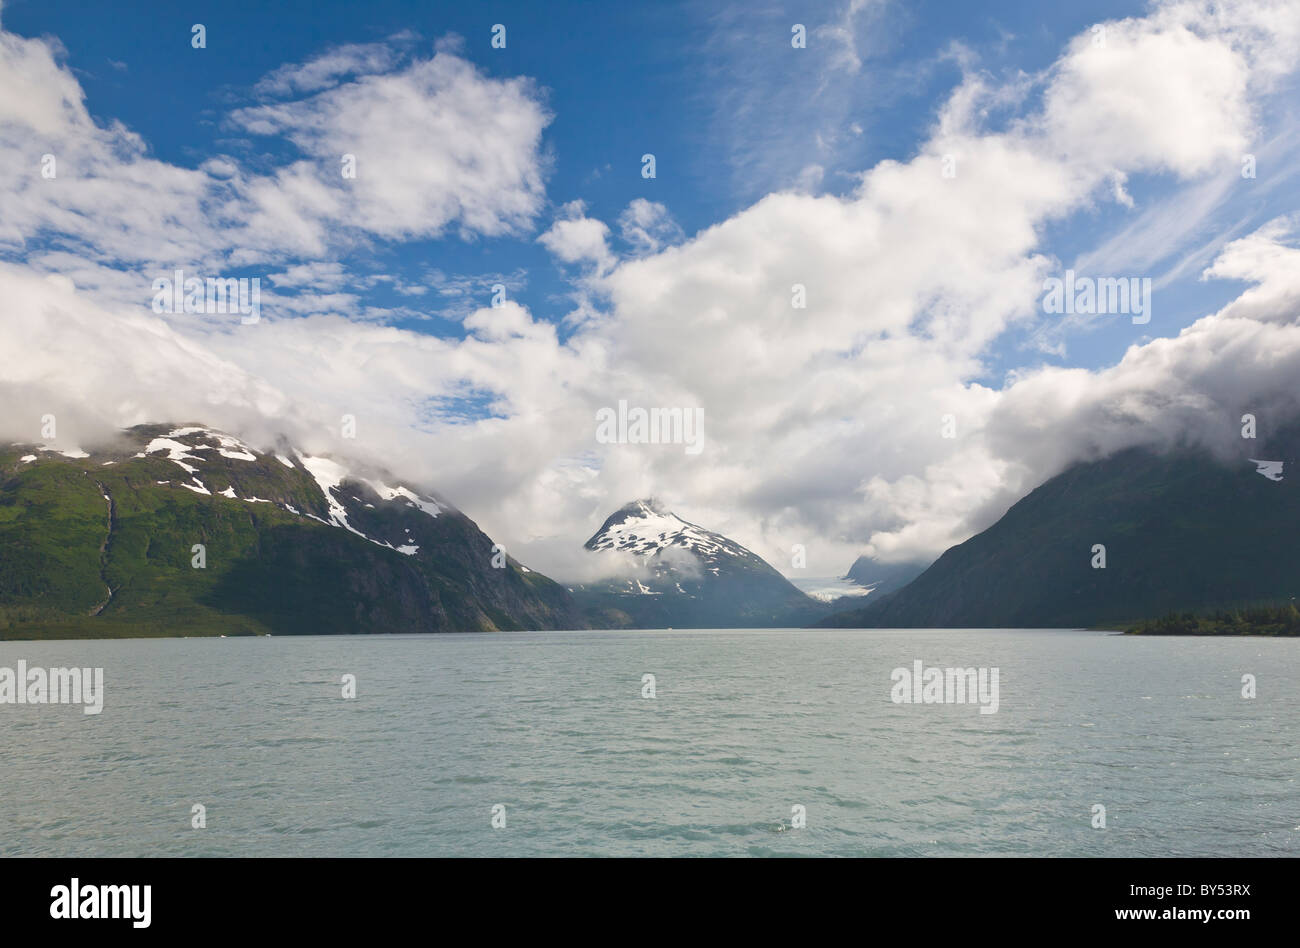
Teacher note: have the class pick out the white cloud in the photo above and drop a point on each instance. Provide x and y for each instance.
(576, 238)
(1189, 389)
(648, 227)
(97, 367)
(327, 69)
(436, 144)
(845, 32)
(321, 276)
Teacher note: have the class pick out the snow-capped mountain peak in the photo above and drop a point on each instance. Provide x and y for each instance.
(685, 576)
(646, 527)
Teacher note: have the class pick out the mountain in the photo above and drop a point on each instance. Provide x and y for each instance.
(1182, 531)
(103, 544)
(686, 577)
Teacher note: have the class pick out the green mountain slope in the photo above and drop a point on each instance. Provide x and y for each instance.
(1182, 531)
(103, 545)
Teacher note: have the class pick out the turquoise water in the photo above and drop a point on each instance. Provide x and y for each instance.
(744, 726)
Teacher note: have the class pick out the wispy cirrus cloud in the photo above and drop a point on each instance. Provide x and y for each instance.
(329, 68)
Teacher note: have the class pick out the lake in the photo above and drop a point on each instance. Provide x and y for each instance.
(553, 735)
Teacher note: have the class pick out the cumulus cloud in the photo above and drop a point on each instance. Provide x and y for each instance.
(908, 282)
(577, 238)
(436, 144)
(96, 368)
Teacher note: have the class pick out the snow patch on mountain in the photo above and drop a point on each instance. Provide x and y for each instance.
(330, 475)
(74, 453)
(177, 452)
(645, 528)
(412, 499)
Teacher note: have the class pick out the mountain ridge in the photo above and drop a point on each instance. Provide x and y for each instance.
(106, 542)
(1178, 530)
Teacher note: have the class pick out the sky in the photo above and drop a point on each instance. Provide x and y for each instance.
(500, 267)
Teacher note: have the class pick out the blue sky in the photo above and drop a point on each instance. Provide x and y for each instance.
(1129, 165)
(621, 80)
